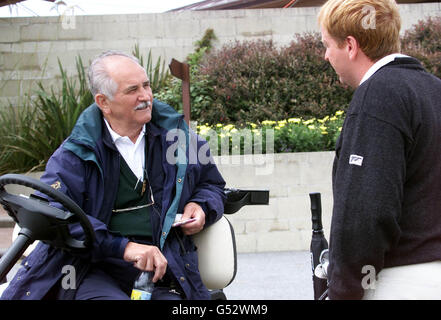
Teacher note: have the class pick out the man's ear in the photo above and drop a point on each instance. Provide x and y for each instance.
(352, 47)
(103, 103)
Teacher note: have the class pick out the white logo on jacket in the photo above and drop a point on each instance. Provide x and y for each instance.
(356, 160)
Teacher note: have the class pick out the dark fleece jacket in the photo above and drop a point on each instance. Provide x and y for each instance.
(387, 177)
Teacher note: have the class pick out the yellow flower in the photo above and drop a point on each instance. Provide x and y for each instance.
(308, 122)
(311, 127)
(219, 125)
(277, 127)
(339, 113)
(323, 120)
(228, 127)
(203, 129)
(268, 122)
(324, 132)
(294, 120)
(323, 128)
(333, 118)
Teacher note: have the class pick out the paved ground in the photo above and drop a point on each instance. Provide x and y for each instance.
(5, 238)
(5, 232)
(272, 276)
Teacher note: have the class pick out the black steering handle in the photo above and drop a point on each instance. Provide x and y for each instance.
(74, 214)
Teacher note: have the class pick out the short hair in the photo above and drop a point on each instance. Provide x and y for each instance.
(99, 78)
(375, 24)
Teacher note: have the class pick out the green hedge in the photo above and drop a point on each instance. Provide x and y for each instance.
(254, 81)
(423, 41)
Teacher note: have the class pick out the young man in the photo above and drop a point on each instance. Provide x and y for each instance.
(386, 222)
(119, 166)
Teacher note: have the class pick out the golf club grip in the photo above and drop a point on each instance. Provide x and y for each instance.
(316, 211)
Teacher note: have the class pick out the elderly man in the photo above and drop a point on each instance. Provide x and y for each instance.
(131, 176)
(385, 240)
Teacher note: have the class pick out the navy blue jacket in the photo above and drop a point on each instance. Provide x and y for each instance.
(87, 166)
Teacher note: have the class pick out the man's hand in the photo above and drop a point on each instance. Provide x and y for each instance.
(193, 210)
(146, 258)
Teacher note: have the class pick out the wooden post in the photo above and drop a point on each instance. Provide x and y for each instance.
(182, 71)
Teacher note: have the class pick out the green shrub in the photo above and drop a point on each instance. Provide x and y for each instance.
(253, 81)
(31, 133)
(423, 41)
(424, 35)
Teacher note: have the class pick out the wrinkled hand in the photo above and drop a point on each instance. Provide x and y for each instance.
(146, 258)
(193, 210)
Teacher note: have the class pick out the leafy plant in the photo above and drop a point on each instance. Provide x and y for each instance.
(289, 135)
(423, 41)
(254, 81)
(32, 133)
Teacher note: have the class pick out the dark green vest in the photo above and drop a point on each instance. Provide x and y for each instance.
(133, 222)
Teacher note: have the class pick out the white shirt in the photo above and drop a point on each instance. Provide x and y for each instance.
(133, 153)
(380, 63)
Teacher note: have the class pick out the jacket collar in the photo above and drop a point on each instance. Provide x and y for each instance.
(88, 128)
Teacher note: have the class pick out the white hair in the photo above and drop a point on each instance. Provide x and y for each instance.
(99, 79)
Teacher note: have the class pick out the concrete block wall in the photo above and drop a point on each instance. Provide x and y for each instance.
(30, 47)
(284, 224)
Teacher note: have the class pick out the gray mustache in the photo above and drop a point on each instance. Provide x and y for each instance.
(143, 105)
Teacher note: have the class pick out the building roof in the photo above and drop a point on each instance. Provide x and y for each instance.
(8, 2)
(260, 4)
(245, 4)
(241, 4)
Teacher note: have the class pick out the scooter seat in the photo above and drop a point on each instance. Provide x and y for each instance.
(217, 254)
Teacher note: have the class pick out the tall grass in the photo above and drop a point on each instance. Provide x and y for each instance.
(32, 132)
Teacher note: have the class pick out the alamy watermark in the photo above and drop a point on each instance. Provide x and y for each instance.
(68, 282)
(369, 20)
(67, 14)
(368, 282)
